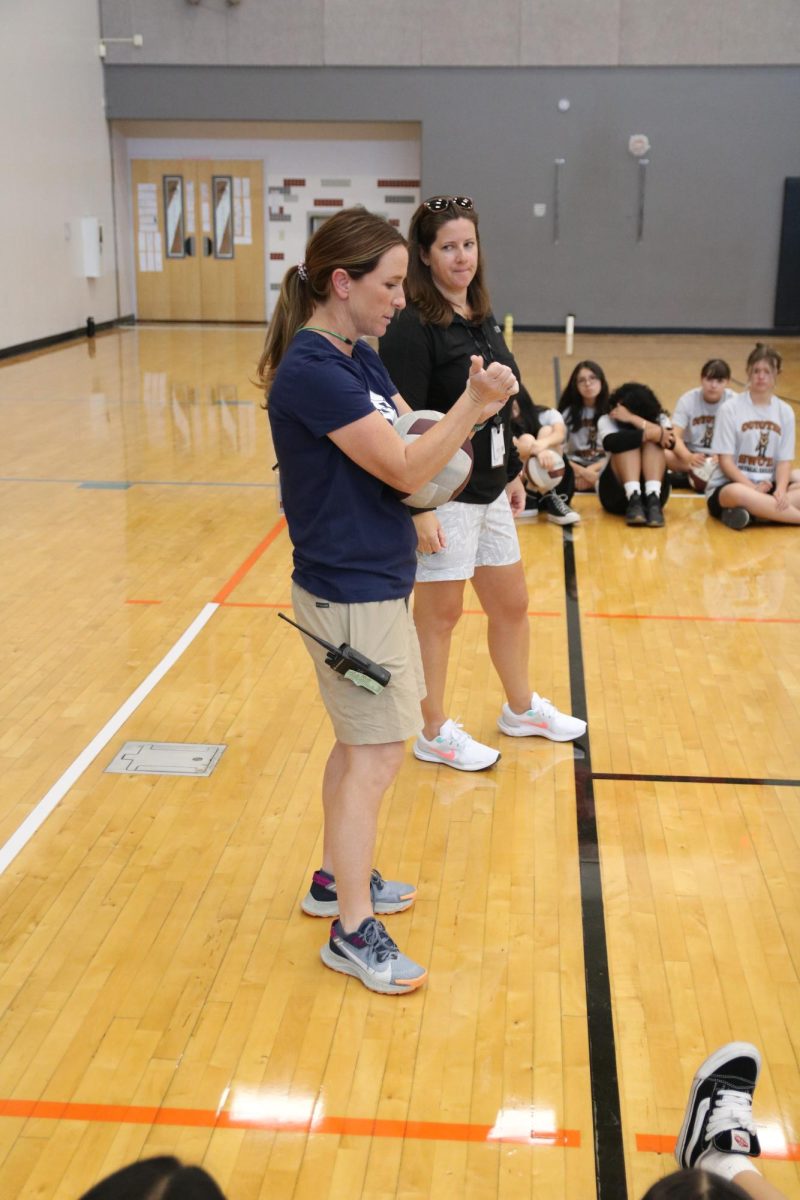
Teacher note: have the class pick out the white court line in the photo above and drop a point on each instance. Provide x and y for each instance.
(41, 812)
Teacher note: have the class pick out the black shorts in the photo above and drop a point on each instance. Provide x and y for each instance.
(612, 493)
(714, 506)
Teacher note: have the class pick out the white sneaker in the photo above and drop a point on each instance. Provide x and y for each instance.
(455, 748)
(541, 720)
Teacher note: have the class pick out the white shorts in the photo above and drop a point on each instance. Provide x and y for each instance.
(478, 535)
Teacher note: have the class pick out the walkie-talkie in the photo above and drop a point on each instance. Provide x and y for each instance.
(346, 661)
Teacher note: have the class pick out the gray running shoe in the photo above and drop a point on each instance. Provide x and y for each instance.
(388, 896)
(369, 954)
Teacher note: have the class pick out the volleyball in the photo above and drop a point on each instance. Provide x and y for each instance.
(454, 475)
(544, 479)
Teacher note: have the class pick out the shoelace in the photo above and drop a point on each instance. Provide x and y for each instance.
(378, 940)
(376, 880)
(546, 707)
(732, 1109)
(559, 504)
(458, 735)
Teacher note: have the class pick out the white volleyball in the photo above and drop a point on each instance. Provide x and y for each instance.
(454, 475)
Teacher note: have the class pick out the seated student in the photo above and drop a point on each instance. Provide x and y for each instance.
(635, 431)
(583, 397)
(754, 439)
(691, 462)
(540, 433)
(718, 1137)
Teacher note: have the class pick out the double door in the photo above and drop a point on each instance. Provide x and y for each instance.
(198, 239)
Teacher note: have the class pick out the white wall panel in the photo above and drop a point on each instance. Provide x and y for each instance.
(56, 170)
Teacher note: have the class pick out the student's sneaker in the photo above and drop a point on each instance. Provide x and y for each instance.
(453, 747)
(634, 513)
(541, 720)
(388, 896)
(735, 518)
(370, 955)
(655, 513)
(557, 509)
(719, 1114)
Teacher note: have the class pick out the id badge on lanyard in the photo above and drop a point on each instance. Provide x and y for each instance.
(498, 446)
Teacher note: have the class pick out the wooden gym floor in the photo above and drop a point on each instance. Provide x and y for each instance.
(628, 904)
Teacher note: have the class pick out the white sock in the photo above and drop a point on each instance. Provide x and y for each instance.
(632, 489)
(652, 487)
(726, 1165)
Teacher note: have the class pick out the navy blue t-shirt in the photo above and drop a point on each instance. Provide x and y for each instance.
(354, 541)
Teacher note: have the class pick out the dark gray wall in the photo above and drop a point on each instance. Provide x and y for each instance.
(723, 140)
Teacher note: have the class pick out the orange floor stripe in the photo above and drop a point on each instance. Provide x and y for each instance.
(239, 574)
(655, 1143)
(133, 1114)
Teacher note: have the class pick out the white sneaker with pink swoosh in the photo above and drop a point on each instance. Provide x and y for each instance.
(453, 747)
(541, 720)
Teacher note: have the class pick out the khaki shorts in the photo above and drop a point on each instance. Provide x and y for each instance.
(384, 631)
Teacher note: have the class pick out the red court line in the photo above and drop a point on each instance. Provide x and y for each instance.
(206, 1118)
(655, 1143)
(676, 617)
(239, 574)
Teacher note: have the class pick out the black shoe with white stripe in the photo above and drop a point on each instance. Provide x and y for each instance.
(719, 1115)
(557, 510)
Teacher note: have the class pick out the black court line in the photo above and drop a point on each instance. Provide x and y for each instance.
(609, 1157)
(624, 776)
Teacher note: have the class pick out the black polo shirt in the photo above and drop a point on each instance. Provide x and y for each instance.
(430, 365)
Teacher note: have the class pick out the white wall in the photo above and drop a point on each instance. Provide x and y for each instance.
(56, 169)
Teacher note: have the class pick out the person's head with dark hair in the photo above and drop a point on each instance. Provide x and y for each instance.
(587, 387)
(162, 1178)
(638, 398)
(439, 223)
(524, 413)
(694, 1185)
(715, 375)
(716, 368)
(352, 241)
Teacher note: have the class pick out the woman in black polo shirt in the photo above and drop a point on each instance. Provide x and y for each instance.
(427, 350)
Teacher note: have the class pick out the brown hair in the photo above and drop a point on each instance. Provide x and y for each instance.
(354, 240)
(763, 353)
(420, 288)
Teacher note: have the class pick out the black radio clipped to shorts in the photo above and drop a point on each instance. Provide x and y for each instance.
(356, 667)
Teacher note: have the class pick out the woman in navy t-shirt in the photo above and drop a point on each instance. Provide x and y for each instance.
(331, 407)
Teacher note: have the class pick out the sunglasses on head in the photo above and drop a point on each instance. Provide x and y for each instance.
(439, 203)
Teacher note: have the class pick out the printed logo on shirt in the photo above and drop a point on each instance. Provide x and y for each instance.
(384, 407)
